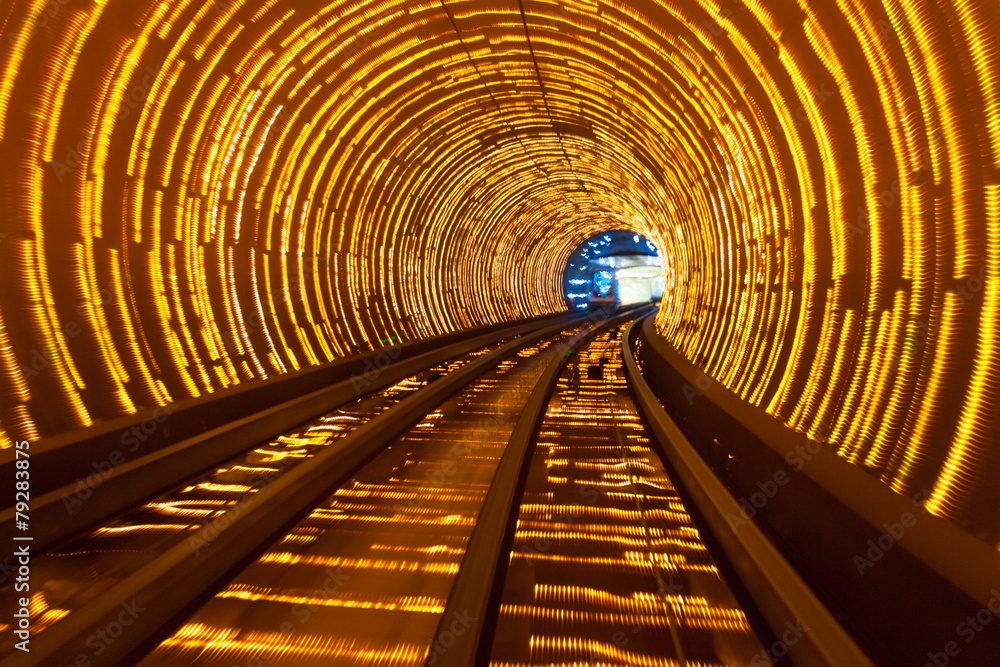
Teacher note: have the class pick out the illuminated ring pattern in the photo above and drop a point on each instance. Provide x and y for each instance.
(200, 193)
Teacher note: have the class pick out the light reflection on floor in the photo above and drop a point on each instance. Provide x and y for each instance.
(69, 577)
(606, 566)
(364, 579)
(606, 569)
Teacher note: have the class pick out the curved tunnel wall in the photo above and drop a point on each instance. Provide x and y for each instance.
(200, 193)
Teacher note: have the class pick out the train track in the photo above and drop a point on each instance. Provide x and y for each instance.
(507, 506)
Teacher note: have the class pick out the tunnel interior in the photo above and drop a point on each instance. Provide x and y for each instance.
(202, 194)
(598, 266)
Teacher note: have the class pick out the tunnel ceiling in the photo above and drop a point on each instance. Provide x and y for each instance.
(198, 194)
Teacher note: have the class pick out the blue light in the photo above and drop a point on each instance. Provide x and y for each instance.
(603, 282)
(601, 253)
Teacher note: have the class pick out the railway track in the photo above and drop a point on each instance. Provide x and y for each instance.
(507, 505)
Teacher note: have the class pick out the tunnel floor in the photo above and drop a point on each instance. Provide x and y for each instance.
(604, 564)
(607, 566)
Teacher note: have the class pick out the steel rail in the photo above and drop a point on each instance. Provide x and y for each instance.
(476, 581)
(779, 592)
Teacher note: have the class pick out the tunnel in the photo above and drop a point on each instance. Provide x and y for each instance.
(293, 354)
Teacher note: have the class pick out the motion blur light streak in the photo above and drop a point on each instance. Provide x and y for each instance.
(201, 193)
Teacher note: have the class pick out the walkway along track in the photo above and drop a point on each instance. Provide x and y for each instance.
(780, 593)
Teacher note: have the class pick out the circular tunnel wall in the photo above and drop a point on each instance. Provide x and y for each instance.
(202, 193)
